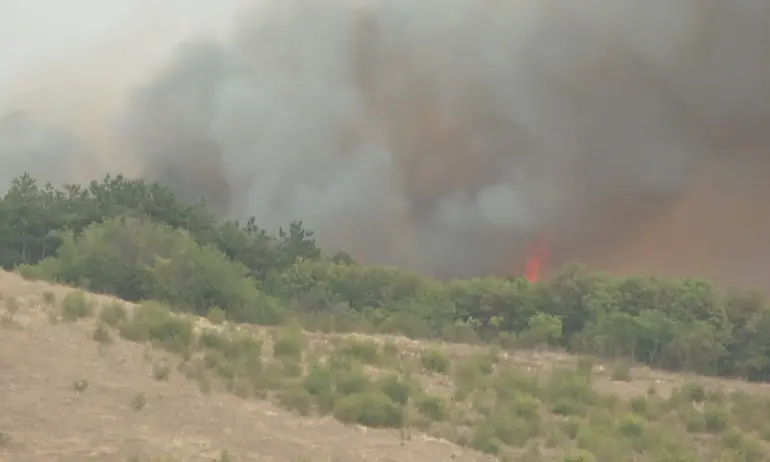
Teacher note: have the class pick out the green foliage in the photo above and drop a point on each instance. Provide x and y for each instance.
(394, 388)
(113, 314)
(433, 407)
(152, 321)
(297, 399)
(370, 409)
(621, 371)
(289, 343)
(366, 351)
(136, 240)
(76, 305)
(632, 426)
(434, 360)
(579, 455)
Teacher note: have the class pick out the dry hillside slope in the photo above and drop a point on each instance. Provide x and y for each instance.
(44, 418)
(88, 377)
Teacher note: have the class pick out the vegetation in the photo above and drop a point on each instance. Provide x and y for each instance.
(137, 241)
(475, 397)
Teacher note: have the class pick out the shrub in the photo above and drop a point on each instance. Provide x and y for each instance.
(216, 315)
(527, 407)
(80, 385)
(233, 345)
(566, 384)
(76, 305)
(693, 392)
(508, 383)
(621, 371)
(434, 360)
(153, 321)
(365, 351)
(513, 430)
(483, 439)
(101, 334)
(567, 407)
(319, 383)
(352, 381)
(639, 405)
(113, 314)
(370, 409)
(395, 388)
(632, 426)
(433, 407)
(297, 399)
(161, 371)
(579, 455)
(390, 350)
(289, 342)
(138, 401)
(716, 418)
(49, 298)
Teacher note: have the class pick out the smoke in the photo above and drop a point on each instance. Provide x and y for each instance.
(445, 136)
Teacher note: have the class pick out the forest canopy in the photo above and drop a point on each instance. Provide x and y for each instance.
(138, 241)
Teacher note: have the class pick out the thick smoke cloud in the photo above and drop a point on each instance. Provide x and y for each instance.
(446, 135)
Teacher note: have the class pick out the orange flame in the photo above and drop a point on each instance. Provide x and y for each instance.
(538, 256)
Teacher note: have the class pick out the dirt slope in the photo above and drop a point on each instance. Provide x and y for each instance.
(44, 418)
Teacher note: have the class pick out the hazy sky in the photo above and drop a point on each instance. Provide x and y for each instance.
(121, 37)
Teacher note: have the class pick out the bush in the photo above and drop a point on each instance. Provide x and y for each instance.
(76, 305)
(527, 407)
(101, 334)
(639, 405)
(433, 407)
(483, 439)
(366, 351)
(434, 360)
(352, 381)
(579, 455)
(161, 371)
(153, 321)
(513, 430)
(632, 426)
(621, 371)
(319, 382)
(567, 407)
(716, 418)
(113, 314)
(395, 388)
(137, 259)
(693, 392)
(297, 399)
(370, 409)
(289, 342)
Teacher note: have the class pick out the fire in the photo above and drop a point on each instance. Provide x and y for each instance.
(536, 260)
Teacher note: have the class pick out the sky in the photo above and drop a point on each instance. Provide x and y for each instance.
(124, 38)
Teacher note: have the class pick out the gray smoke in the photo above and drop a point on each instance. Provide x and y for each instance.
(446, 135)
(47, 151)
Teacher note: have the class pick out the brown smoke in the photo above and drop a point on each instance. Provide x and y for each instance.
(447, 135)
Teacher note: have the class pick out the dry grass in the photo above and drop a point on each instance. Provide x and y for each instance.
(44, 418)
(72, 389)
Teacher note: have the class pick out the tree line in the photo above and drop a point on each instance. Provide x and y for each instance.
(138, 241)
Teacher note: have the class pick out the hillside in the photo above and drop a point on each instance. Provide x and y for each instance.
(81, 381)
(43, 417)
